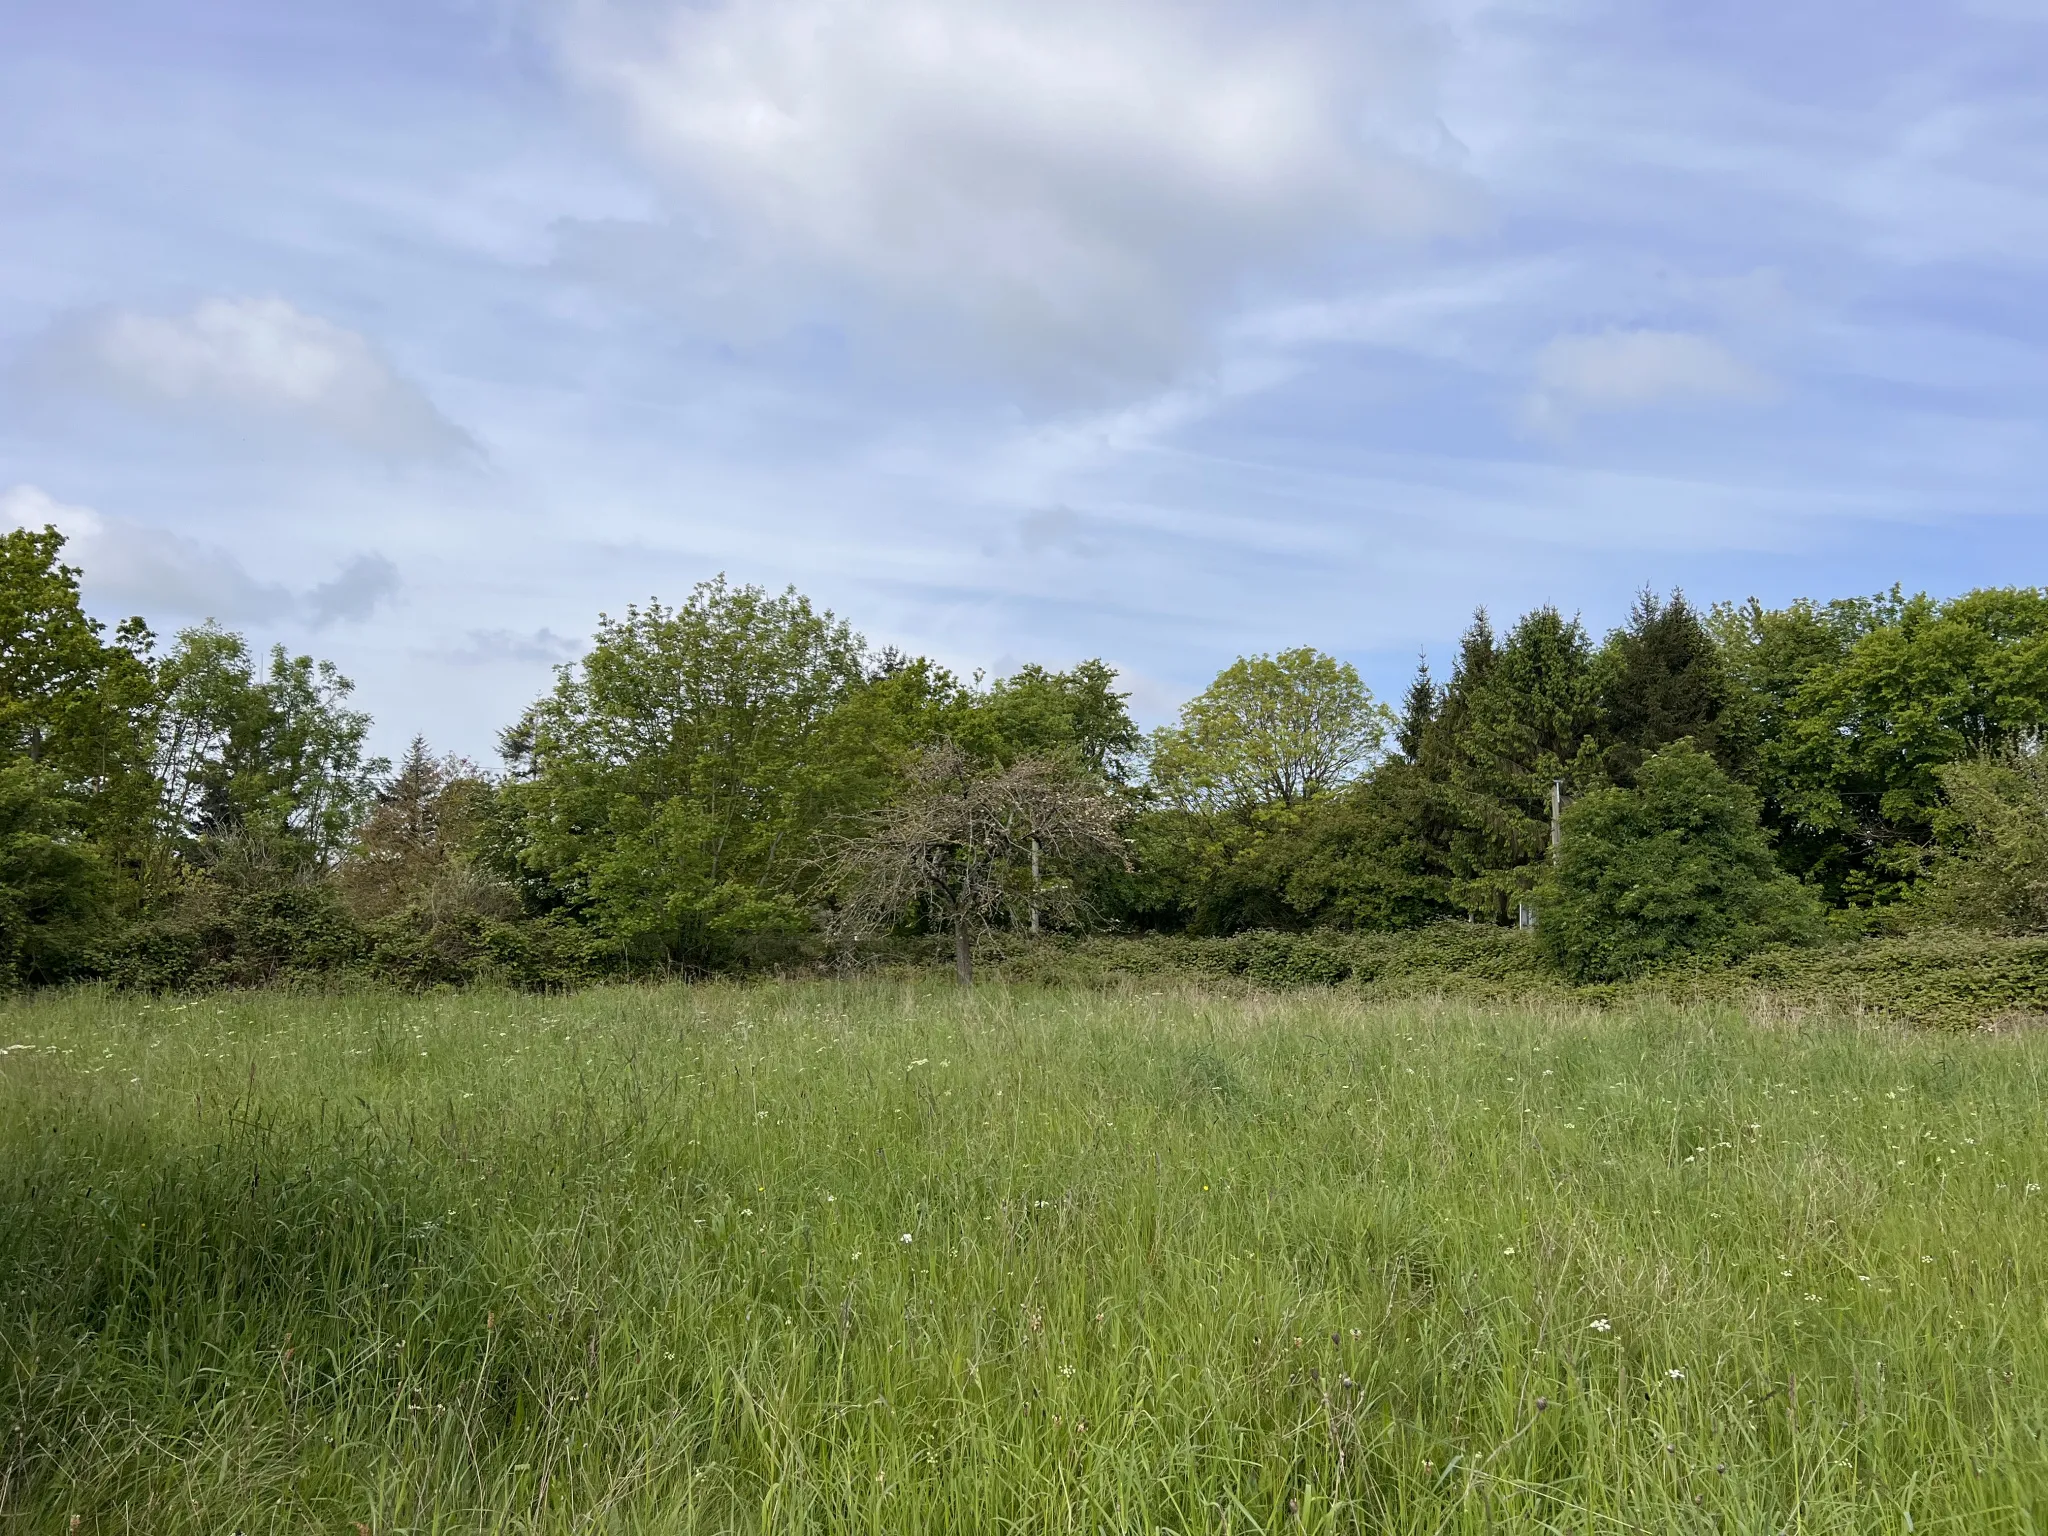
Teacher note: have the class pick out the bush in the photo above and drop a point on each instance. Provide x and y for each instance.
(214, 937)
(53, 889)
(1467, 959)
(1677, 867)
(1999, 879)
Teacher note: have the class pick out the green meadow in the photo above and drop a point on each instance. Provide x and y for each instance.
(825, 1257)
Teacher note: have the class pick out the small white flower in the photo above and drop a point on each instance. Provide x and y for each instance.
(1675, 1374)
(1507, 1253)
(1786, 1273)
(904, 1238)
(1811, 1297)
(1601, 1325)
(746, 1210)
(1926, 1258)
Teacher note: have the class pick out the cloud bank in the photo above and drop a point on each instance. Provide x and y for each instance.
(259, 361)
(135, 567)
(1081, 180)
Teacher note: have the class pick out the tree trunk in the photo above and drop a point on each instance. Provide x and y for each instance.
(963, 952)
(1034, 885)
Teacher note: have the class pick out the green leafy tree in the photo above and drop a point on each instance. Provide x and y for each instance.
(1676, 867)
(71, 701)
(54, 890)
(674, 788)
(1998, 810)
(263, 770)
(1856, 706)
(1370, 857)
(1077, 715)
(1232, 783)
(1270, 730)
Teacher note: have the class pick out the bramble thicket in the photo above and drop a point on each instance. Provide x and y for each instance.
(705, 790)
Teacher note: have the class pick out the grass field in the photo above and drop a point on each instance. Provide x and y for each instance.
(828, 1258)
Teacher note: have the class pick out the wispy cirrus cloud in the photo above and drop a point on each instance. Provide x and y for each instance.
(1627, 370)
(258, 362)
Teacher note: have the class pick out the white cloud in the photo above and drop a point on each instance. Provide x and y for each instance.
(1625, 370)
(134, 567)
(261, 358)
(1084, 180)
(130, 565)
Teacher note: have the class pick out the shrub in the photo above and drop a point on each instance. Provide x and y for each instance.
(1674, 868)
(53, 890)
(1999, 879)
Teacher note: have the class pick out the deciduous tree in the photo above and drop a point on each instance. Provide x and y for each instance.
(957, 846)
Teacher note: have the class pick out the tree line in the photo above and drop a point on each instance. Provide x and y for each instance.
(741, 781)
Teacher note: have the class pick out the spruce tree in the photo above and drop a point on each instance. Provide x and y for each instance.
(1660, 680)
(1418, 709)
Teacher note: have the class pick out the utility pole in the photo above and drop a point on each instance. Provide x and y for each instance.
(1525, 915)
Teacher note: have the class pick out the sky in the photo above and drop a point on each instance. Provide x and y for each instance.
(419, 333)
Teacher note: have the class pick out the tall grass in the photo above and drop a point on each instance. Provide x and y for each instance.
(830, 1258)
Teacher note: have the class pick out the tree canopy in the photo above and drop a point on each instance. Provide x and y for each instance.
(686, 795)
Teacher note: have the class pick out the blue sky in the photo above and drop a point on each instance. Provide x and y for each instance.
(1162, 330)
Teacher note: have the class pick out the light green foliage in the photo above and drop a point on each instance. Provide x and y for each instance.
(1270, 730)
(1856, 707)
(71, 702)
(1677, 867)
(635, 1261)
(1998, 879)
(678, 780)
(1236, 782)
(264, 767)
